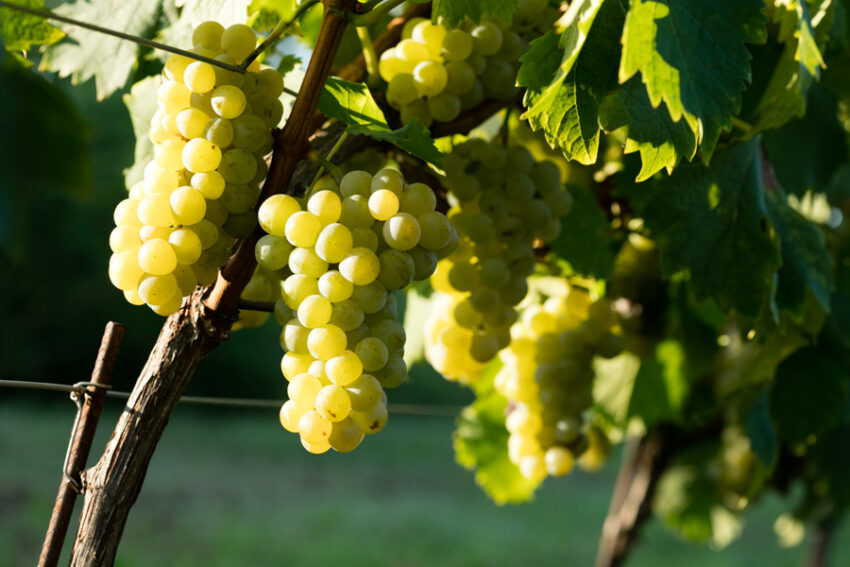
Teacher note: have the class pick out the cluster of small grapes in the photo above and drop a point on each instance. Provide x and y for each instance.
(548, 378)
(502, 201)
(340, 258)
(435, 71)
(211, 131)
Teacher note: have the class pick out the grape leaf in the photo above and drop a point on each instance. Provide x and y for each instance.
(713, 223)
(801, 61)
(481, 443)
(21, 31)
(586, 237)
(353, 104)
(85, 54)
(453, 11)
(613, 384)
(806, 263)
(44, 125)
(809, 393)
(809, 167)
(661, 385)
(761, 432)
(566, 107)
(693, 56)
(141, 104)
(661, 142)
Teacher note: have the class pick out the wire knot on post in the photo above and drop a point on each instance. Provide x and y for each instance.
(78, 391)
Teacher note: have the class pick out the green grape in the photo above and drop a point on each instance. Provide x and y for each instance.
(390, 332)
(124, 270)
(360, 266)
(417, 109)
(373, 420)
(429, 34)
(326, 342)
(334, 243)
(199, 77)
(333, 403)
(326, 205)
(313, 428)
(272, 252)
(191, 123)
(314, 311)
(345, 436)
(457, 45)
(175, 65)
(158, 290)
(355, 183)
(498, 79)
(396, 269)
(347, 315)
(293, 337)
(275, 212)
(430, 77)
(249, 132)
(228, 101)
(186, 245)
(460, 77)
(296, 288)
(486, 38)
(272, 82)
(365, 392)
(302, 229)
(344, 369)
(372, 352)
(238, 41)
(383, 204)
(123, 238)
(355, 212)
(219, 131)
(188, 205)
(157, 257)
(402, 89)
(402, 231)
(436, 230)
(371, 298)
(335, 287)
(444, 107)
(303, 389)
(201, 156)
(424, 263)
(237, 166)
(306, 261)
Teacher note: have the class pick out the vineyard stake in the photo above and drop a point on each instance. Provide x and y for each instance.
(82, 436)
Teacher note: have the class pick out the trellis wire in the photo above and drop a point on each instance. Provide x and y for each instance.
(404, 409)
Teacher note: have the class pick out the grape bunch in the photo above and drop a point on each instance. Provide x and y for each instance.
(435, 71)
(210, 133)
(342, 254)
(502, 202)
(547, 377)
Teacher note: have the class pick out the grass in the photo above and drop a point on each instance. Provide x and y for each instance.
(232, 488)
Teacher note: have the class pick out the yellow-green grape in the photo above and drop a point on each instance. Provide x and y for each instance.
(373, 420)
(344, 369)
(360, 266)
(228, 101)
(188, 205)
(345, 436)
(383, 204)
(355, 183)
(333, 403)
(191, 123)
(238, 41)
(314, 428)
(272, 252)
(335, 287)
(306, 261)
(402, 231)
(315, 311)
(334, 242)
(365, 392)
(372, 352)
(157, 257)
(275, 212)
(123, 238)
(199, 77)
(158, 290)
(201, 156)
(326, 205)
(326, 342)
(186, 245)
(124, 270)
(302, 229)
(219, 131)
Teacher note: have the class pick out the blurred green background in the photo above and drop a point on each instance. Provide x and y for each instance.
(230, 487)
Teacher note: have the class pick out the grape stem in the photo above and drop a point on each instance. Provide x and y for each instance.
(375, 10)
(370, 57)
(278, 31)
(328, 158)
(48, 15)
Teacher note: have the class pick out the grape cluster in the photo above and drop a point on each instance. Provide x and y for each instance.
(435, 71)
(503, 200)
(341, 256)
(210, 133)
(547, 376)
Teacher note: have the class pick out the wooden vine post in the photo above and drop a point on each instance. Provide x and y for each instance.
(113, 484)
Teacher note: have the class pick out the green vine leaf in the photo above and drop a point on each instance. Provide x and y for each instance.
(804, 34)
(88, 54)
(453, 11)
(713, 224)
(692, 55)
(353, 104)
(586, 238)
(661, 142)
(21, 31)
(481, 444)
(141, 104)
(806, 263)
(565, 85)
